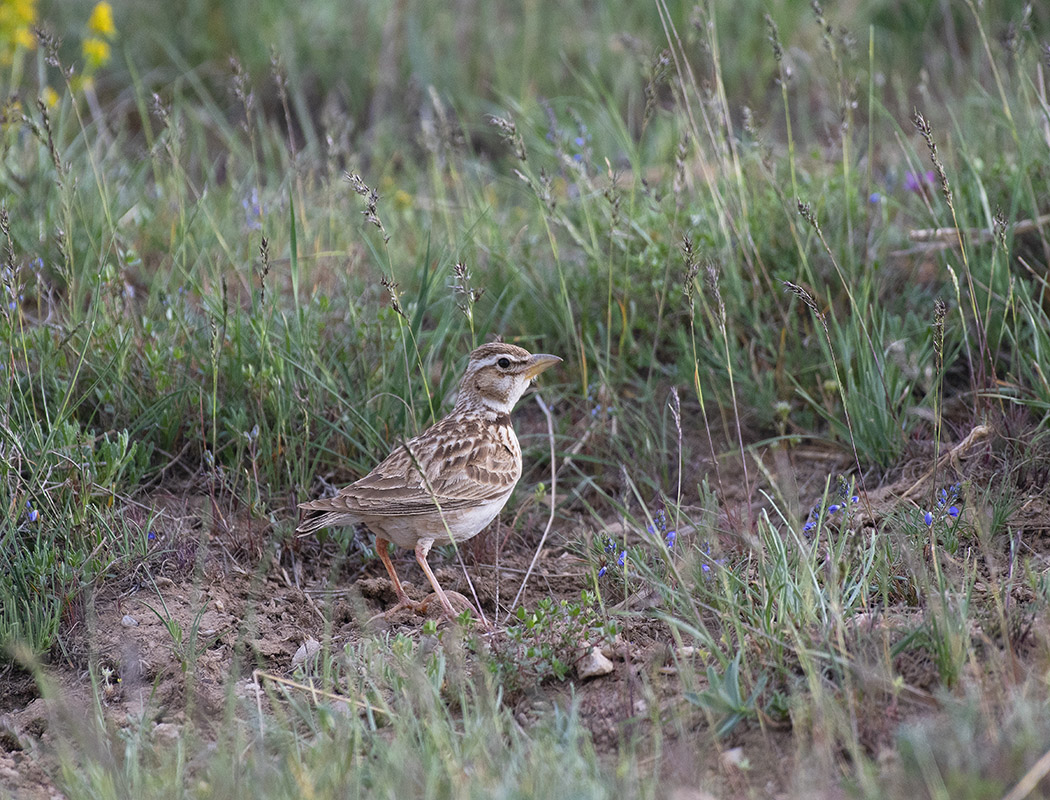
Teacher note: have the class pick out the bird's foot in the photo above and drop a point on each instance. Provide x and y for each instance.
(404, 602)
(454, 604)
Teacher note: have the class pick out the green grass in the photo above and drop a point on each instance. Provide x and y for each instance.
(709, 218)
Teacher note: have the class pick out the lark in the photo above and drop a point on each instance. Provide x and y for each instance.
(450, 482)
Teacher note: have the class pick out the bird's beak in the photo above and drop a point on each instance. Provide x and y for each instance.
(539, 363)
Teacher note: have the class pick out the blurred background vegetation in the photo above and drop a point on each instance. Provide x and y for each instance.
(374, 63)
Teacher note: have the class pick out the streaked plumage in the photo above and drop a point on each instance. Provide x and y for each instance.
(452, 480)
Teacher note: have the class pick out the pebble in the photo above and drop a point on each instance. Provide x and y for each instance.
(128, 621)
(593, 665)
(734, 757)
(167, 731)
(307, 650)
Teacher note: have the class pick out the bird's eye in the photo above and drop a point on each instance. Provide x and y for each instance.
(503, 363)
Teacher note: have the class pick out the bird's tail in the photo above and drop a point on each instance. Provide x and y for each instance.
(314, 522)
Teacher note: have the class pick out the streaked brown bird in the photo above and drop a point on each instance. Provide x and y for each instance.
(452, 480)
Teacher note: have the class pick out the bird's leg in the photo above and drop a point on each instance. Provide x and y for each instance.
(403, 600)
(422, 549)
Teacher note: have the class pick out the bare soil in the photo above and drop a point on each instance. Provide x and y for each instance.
(251, 608)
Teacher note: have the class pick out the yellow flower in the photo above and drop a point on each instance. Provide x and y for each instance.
(50, 97)
(24, 38)
(81, 83)
(96, 52)
(16, 19)
(14, 12)
(101, 21)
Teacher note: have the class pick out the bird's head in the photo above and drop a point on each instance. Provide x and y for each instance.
(497, 376)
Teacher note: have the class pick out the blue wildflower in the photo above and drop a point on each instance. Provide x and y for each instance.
(34, 515)
(659, 523)
(874, 197)
(844, 502)
(253, 210)
(948, 496)
(622, 560)
(671, 538)
(579, 141)
(705, 568)
(151, 536)
(602, 571)
(928, 518)
(946, 504)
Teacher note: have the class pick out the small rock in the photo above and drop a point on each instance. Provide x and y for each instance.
(593, 664)
(128, 621)
(167, 731)
(735, 757)
(610, 649)
(307, 650)
(219, 605)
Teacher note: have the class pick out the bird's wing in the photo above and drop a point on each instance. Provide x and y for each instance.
(463, 468)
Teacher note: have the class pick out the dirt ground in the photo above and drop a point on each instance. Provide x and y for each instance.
(253, 609)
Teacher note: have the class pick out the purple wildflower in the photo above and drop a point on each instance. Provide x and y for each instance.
(917, 182)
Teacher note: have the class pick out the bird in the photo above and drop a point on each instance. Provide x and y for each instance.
(449, 482)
